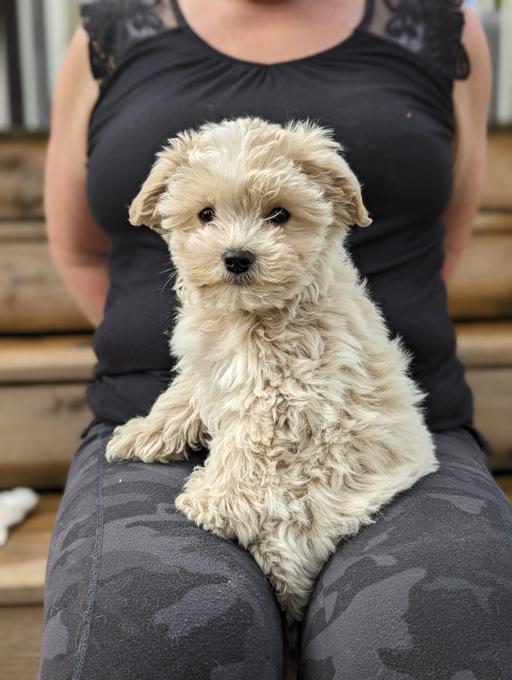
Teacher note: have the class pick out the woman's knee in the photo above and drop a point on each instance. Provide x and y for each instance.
(135, 590)
(425, 592)
(198, 613)
(200, 625)
(426, 621)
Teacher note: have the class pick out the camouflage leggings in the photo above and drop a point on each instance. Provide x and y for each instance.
(135, 591)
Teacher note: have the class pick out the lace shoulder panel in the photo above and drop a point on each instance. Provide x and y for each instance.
(114, 25)
(430, 28)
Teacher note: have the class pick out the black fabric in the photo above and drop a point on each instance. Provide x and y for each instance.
(386, 91)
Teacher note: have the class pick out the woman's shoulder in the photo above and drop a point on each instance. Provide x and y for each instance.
(114, 25)
(432, 29)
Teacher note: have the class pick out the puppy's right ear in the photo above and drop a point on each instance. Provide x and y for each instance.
(320, 156)
(143, 209)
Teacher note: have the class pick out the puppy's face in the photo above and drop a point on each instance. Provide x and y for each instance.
(247, 207)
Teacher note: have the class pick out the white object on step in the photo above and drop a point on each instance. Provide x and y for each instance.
(14, 506)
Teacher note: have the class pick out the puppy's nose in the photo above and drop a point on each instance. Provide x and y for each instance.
(238, 261)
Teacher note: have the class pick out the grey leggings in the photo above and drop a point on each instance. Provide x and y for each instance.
(134, 591)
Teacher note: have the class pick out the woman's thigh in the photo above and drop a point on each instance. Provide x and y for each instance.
(136, 591)
(426, 591)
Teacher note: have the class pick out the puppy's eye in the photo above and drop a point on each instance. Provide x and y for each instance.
(206, 215)
(278, 216)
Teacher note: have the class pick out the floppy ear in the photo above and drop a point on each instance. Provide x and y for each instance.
(144, 207)
(319, 156)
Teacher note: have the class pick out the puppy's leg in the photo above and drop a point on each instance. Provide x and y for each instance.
(291, 555)
(293, 550)
(223, 496)
(163, 435)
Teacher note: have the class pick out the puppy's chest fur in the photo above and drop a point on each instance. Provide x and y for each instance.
(293, 378)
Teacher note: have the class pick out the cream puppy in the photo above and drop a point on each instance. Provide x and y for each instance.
(284, 366)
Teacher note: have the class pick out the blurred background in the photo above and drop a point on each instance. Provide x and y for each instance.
(34, 36)
(45, 343)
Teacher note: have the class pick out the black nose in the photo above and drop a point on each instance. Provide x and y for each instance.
(238, 261)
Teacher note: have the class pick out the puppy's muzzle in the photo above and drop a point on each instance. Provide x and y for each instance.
(238, 261)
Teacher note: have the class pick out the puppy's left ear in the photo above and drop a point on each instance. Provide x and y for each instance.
(319, 156)
(144, 207)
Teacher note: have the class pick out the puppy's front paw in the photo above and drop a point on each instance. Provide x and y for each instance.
(203, 511)
(216, 508)
(139, 439)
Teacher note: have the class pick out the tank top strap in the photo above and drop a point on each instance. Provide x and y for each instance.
(432, 29)
(115, 25)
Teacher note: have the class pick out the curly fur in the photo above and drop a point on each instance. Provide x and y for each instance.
(288, 376)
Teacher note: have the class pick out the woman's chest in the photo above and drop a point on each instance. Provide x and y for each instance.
(396, 131)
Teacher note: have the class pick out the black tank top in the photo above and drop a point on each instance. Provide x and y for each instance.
(386, 91)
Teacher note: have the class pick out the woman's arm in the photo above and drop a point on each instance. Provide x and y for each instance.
(471, 102)
(77, 244)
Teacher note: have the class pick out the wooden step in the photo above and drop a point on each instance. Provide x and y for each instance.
(481, 286)
(492, 392)
(32, 296)
(40, 427)
(42, 388)
(493, 222)
(496, 192)
(486, 349)
(21, 176)
(14, 231)
(43, 382)
(23, 558)
(60, 358)
(486, 344)
(20, 642)
(505, 483)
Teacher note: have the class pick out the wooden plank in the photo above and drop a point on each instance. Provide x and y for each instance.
(21, 177)
(46, 359)
(505, 483)
(20, 642)
(40, 427)
(496, 193)
(481, 287)
(485, 344)
(493, 222)
(492, 392)
(22, 230)
(23, 558)
(32, 296)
